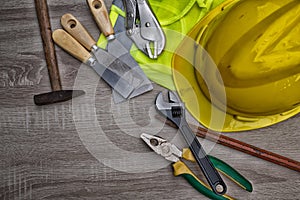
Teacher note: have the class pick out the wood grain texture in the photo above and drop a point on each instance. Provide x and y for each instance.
(77, 30)
(62, 151)
(70, 45)
(101, 16)
(46, 34)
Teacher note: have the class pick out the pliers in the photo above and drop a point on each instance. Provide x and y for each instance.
(174, 110)
(143, 28)
(172, 153)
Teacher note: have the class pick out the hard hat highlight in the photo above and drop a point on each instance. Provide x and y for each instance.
(256, 48)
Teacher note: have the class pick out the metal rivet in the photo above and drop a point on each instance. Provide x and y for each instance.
(219, 188)
(129, 32)
(154, 142)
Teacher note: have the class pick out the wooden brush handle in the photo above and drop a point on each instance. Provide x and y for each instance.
(76, 29)
(241, 146)
(249, 149)
(69, 44)
(101, 16)
(50, 56)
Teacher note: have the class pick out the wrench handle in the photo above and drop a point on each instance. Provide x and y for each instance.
(211, 174)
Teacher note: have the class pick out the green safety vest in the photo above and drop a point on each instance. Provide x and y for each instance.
(177, 18)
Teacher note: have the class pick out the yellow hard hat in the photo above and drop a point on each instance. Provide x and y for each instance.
(255, 46)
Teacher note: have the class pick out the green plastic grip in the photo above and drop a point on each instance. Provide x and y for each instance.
(231, 173)
(180, 169)
(224, 168)
(202, 189)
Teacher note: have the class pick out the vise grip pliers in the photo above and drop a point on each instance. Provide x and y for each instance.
(171, 153)
(143, 28)
(174, 110)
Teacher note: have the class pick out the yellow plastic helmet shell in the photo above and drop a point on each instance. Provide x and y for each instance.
(256, 47)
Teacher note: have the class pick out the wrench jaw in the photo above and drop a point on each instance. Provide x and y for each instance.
(155, 44)
(159, 42)
(173, 109)
(151, 47)
(143, 28)
(135, 35)
(152, 55)
(173, 97)
(157, 49)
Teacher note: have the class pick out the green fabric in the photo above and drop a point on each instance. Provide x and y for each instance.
(177, 18)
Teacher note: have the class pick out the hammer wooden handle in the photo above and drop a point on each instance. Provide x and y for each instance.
(101, 16)
(46, 33)
(76, 29)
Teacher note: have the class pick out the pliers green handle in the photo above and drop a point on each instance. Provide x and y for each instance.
(172, 153)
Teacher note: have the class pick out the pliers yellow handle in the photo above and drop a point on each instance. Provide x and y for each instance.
(181, 169)
(172, 153)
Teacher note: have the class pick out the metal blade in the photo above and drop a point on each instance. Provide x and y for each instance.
(116, 82)
(116, 47)
(133, 75)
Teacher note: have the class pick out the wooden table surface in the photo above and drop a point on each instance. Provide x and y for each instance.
(89, 148)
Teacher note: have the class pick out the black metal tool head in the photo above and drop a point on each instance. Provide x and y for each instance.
(56, 96)
(173, 97)
(172, 108)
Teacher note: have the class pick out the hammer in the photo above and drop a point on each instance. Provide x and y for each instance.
(57, 94)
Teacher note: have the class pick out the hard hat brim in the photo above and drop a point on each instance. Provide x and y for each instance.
(196, 101)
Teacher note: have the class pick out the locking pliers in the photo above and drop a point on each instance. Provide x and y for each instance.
(174, 110)
(143, 28)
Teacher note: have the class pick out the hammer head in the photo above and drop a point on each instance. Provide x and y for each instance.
(56, 96)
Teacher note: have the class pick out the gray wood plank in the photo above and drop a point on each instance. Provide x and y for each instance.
(89, 148)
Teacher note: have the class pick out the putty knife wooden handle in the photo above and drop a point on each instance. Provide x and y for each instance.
(69, 44)
(73, 47)
(101, 16)
(76, 29)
